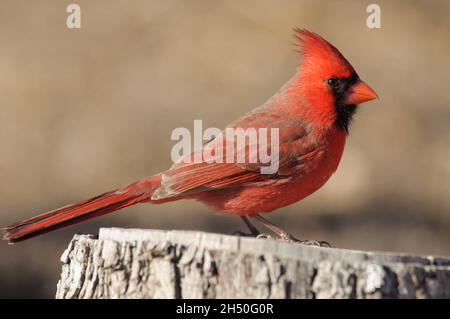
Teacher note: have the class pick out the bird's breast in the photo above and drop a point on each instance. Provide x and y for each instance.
(324, 163)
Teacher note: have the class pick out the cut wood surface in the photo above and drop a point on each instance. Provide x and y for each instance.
(138, 263)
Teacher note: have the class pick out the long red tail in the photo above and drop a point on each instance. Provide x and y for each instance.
(84, 210)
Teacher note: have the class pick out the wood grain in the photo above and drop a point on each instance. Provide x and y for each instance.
(137, 263)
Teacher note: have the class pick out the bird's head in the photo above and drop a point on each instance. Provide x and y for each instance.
(328, 82)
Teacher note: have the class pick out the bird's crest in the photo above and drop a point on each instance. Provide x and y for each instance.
(321, 56)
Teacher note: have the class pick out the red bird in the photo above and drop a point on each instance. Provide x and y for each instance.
(312, 111)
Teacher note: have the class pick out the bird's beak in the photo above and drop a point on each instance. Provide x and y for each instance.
(359, 93)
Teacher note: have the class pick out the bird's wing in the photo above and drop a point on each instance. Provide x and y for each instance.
(296, 149)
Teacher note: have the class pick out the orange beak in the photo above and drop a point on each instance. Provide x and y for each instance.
(359, 93)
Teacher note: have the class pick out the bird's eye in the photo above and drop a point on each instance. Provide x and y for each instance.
(333, 82)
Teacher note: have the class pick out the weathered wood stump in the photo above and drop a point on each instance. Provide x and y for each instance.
(135, 263)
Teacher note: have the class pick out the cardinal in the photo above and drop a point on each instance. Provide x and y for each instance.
(312, 111)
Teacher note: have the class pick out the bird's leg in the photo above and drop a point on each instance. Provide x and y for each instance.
(283, 234)
(253, 230)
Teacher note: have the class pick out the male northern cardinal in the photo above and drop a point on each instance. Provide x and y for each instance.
(312, 110)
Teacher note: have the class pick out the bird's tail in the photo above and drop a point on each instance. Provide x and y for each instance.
(93, 207)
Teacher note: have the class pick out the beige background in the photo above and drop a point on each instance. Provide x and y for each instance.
(85, 111)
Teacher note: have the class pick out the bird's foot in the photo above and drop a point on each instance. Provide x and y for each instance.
(258, 236)
(291, 239)
(321, 243)
(285, 236)
(265, 236)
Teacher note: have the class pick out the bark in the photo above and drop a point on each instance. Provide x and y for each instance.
(136, 263)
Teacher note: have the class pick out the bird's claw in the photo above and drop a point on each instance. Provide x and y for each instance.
(285, 237)
(264, 236)
(321, 243)
(257, 236)
(291, 239)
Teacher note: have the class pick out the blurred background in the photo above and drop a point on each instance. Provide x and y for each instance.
(86, 110)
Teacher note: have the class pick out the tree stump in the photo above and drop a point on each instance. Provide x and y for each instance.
(136, 263)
